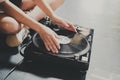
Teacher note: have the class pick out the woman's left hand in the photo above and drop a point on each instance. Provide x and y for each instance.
(63, 23)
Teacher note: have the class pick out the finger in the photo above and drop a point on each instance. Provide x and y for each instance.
(53, 46)
(71, 29)
(56, 42)
(71, 26)
(56, 37)
(63, 24)
(47, 47)
(51, 49)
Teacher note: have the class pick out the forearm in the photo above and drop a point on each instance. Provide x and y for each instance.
(19, 15)
(45, 7)
(36, 13)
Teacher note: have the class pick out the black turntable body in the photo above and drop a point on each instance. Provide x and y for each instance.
(74, 54)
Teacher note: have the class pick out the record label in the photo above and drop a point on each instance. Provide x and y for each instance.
(64, 40)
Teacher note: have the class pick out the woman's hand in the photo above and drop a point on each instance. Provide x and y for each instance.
(50, 39)
(63, 23)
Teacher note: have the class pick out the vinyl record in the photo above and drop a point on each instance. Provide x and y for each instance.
(71, 44)
(74, 44)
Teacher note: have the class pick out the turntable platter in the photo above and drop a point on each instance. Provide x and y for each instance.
(71, 43)
(72, 46)
(77, 45)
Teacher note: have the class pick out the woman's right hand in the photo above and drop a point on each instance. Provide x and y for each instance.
(50, 39)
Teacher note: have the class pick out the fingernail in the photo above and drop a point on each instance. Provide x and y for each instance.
(48, 49)
(58, 47)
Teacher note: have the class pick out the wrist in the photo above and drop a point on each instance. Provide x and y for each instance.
(38, 28)
(53, 17)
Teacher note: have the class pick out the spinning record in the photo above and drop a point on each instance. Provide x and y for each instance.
(71, 43)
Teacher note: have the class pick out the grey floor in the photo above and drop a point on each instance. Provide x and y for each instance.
(104, 17)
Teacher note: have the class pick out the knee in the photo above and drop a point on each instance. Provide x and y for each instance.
(60, 2)
(9, 25)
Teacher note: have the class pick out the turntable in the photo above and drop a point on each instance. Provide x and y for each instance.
(72, 44)
(75, 49)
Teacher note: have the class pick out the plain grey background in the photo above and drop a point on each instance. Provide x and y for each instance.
(104, 17)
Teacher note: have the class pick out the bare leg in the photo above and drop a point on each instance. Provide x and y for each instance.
(8, 25)
(38, 14)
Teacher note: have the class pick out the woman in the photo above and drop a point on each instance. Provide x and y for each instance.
(11, 18)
